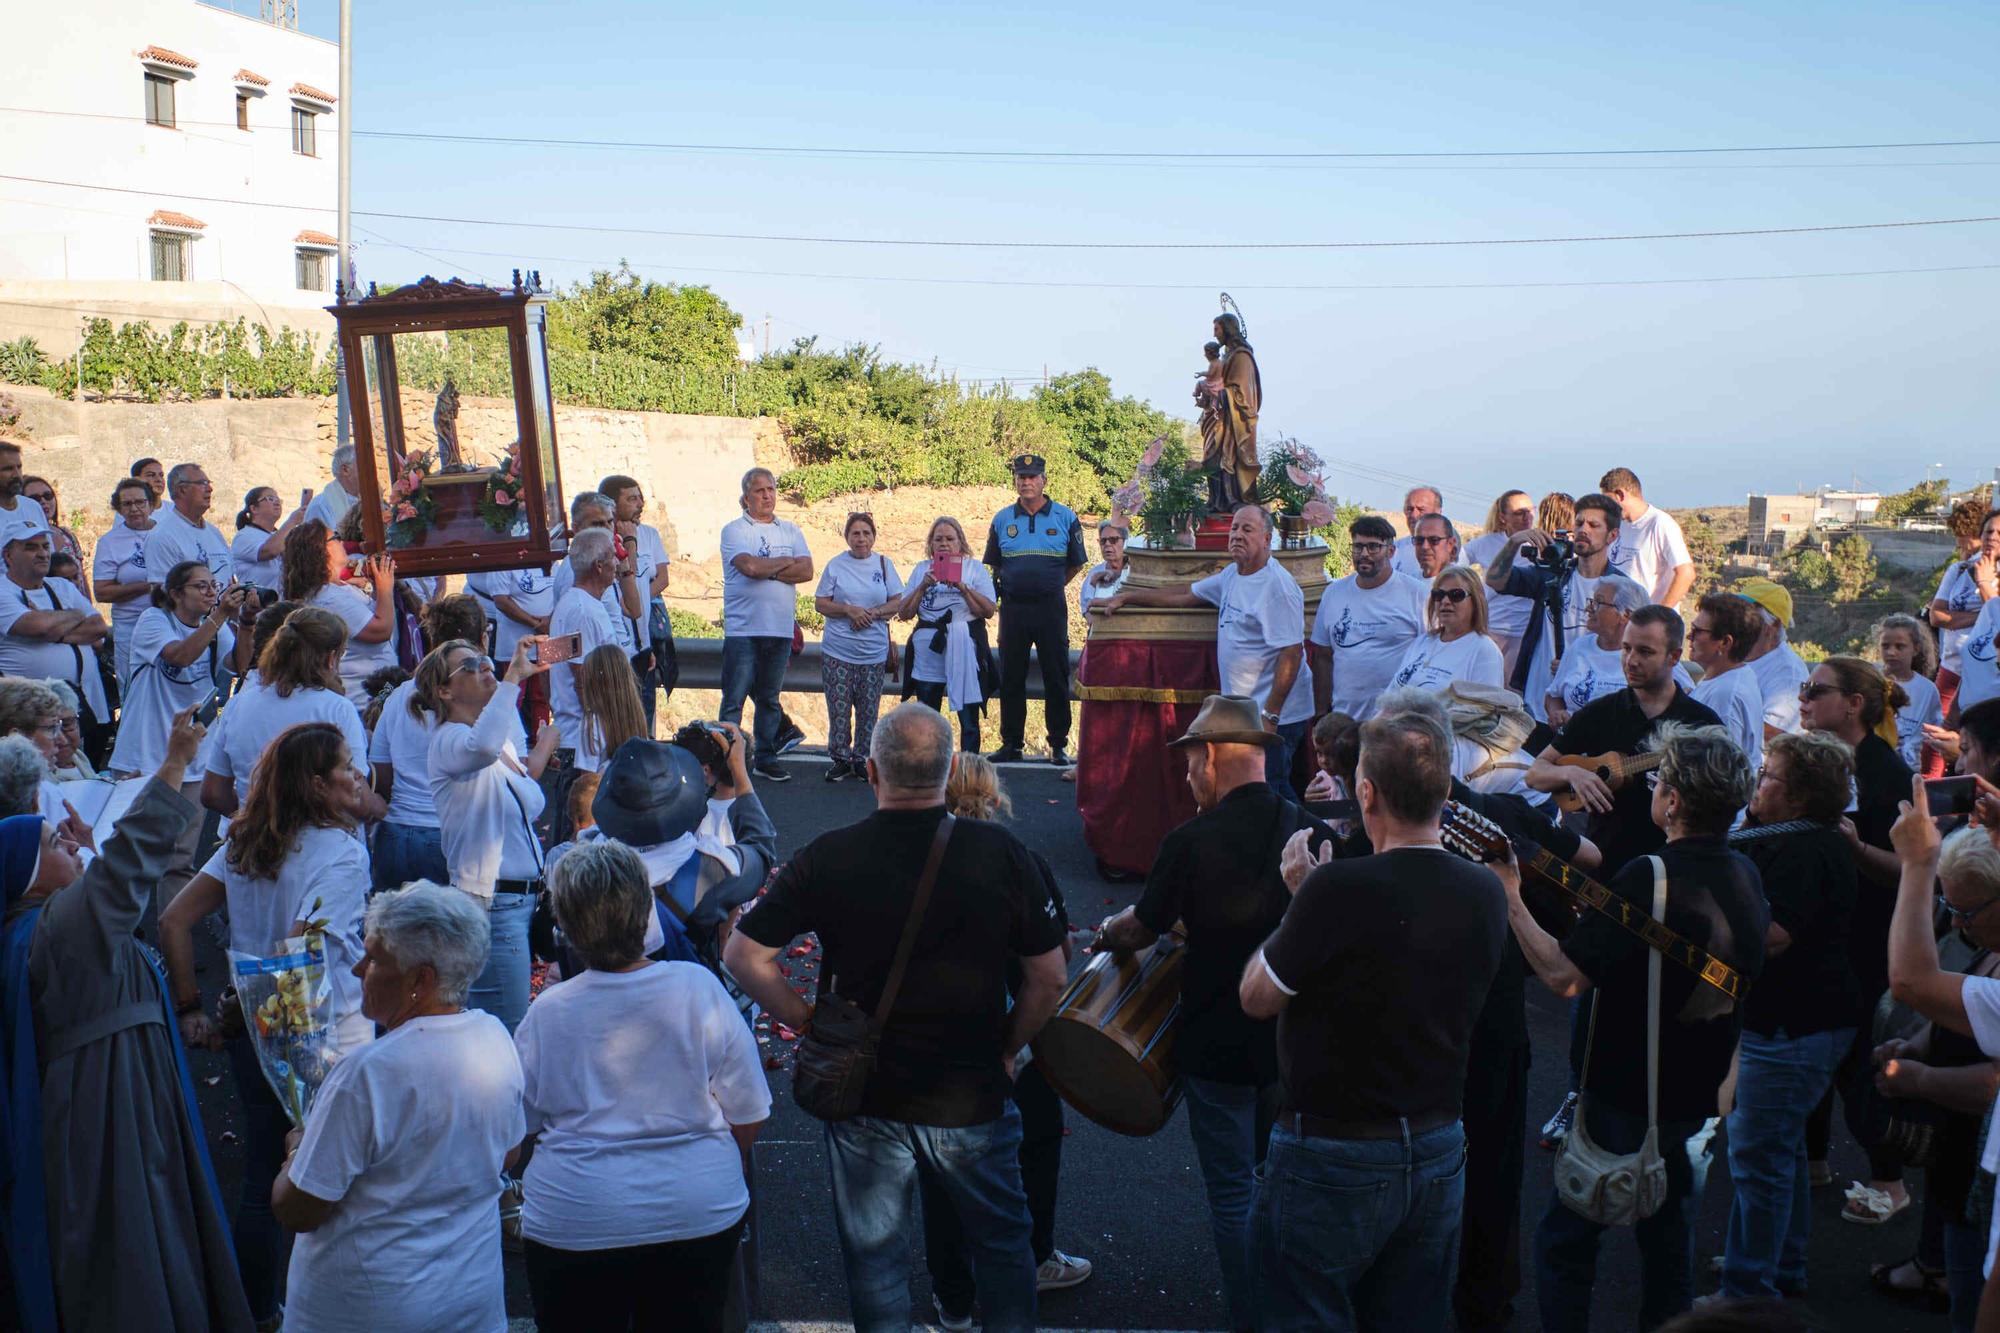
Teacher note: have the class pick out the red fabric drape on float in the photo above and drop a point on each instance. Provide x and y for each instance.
(1137, 694)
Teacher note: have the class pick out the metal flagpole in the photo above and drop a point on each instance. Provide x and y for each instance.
(345, 204)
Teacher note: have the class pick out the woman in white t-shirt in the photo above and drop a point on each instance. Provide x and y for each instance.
(293, 855)
(298, 680)
(488, 798)
(1456, 648)
(639, 1165)
(118, 568)
(259, 548)
(1968, 584)
(394, 1188)
(859, 590)
(1909, 657)
(1109, 574)
(317, 573)
(944, 658)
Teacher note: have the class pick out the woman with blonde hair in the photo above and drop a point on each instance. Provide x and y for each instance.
(1457, 646)
(947, 656)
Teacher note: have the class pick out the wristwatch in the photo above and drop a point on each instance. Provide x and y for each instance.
(1268, 716)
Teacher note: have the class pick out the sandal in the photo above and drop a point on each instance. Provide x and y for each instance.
(1930, 1288)
(1869, 1207)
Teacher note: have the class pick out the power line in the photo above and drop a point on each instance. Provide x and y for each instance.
(1084, 155)
(937, 243)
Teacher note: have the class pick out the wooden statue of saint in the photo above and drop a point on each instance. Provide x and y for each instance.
(444, 420)
(1229, 427)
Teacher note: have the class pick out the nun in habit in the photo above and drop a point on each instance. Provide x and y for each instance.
(113, 1218)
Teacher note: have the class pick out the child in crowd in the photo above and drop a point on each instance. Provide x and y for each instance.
(1909, 657)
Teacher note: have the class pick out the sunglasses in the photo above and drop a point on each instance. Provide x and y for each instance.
(1452, 595)
(1430, 541)
(472, 664)
(1961, 917)
(1812, 690)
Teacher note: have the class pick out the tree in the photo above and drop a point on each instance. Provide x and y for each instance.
(1811, 568)
(1705, 550)
(1108, 433)
(1920, 500)
(1853, 568)
(683, 327)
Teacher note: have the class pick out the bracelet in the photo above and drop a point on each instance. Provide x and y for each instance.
(186, 1007)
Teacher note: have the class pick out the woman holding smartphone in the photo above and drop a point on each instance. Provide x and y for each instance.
(183, 652)
(947, 593)
(259, 547)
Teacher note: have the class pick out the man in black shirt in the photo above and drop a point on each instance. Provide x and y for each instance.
(1217, 876)
(936, 1103)
(1715, 900)
(1377, 975)
(1623, 724)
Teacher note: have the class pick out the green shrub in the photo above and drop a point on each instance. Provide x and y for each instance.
(22, 362)
(688, 625)
(808, 614)
(816, 481)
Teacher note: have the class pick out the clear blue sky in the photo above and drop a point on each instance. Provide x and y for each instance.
(1708, 390)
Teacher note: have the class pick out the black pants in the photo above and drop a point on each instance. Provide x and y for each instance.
(1041, 623)
(679, 1284)
(1489, 1241)
(931, 695)
(1041, 1165)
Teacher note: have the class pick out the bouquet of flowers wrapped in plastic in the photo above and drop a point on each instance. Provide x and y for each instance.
(287, 1002)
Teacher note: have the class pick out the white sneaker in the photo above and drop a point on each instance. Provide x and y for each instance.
(1061, 1270)
(950, 1323)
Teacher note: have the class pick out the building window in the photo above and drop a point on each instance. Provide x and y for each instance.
(305, 139)
(312, 267)
(243, 111)
(170, 257)
(159, 100)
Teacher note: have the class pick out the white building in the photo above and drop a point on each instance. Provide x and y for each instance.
(163, 159)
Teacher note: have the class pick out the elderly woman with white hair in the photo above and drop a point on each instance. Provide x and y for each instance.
(644, 1092)
(71, 763)
(1593, 665)
(394, 1183)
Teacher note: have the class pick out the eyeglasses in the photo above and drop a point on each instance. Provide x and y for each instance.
(1813, 689)
(472, 664)
(1368, 548)
(1452, 595)
(1961, 917)
(52, 727)
(200, 585)
(1612, 607)
(1430, 541)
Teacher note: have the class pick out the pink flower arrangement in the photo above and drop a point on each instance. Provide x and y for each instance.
(405, 510)
(502, 498)
(1317, 513)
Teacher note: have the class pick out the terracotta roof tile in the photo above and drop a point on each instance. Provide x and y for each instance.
(307, 90)
(315, 238)
(166, 217)
(251, 76)
(162, 55)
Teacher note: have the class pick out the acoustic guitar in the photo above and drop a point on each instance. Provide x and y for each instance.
(1467, 833)
(1614, 770)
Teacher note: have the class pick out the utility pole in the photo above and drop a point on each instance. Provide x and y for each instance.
(342, 424)
(767, 333)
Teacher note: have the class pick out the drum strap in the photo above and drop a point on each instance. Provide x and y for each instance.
(905, 946)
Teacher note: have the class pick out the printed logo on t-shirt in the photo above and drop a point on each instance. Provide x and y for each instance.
(1013, 530)
(1403, 677)
(1347, 632)
(1581, 690)
(1979, 648)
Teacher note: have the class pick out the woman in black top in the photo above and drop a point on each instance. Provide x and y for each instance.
(1854, 702)
(1799, 1020)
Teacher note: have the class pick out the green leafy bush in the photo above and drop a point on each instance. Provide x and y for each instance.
(808, 614)
(22, 362)
(688, 625)
(816, 481)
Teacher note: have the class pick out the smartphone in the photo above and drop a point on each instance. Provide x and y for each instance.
(1951, 796)
(549, 649)
(948, 568)
(206, 710)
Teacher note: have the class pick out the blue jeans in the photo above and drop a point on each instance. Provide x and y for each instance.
(502, 988)
(1965, 1272)
(1230, 1124)
(1278, 758)
(405, 852)
(754, 668)
(1566, 1242)
(1358, 1233)
(875, 1165)
(263, 1248)
(1779, 1080)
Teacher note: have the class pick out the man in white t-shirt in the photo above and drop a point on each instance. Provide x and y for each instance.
(1563, 600)
(180, 532)
(1436, 544)
(1780, 671)
(1417, 501)
(625, 600)
(1365, 623)
(594, 568)
(333, 502)
(17, 515)
(1260, 632)
(1506, 615)
(1651, 547)
(764, 560)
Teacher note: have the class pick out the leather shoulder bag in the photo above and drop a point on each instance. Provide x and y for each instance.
(837, 1053)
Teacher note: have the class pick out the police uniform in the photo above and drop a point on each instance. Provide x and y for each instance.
(1033, 557)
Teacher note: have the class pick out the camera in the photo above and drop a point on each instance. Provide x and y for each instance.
(1558, 555)
(708, 742)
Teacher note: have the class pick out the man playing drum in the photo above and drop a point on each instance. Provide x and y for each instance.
(1217, 876)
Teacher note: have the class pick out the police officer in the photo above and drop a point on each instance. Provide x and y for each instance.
(1035, 547)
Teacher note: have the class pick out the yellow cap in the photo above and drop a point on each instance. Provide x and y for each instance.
(1771, 596)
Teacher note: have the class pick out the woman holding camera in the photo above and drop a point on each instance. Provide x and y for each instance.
(317, 573)
(948, 592)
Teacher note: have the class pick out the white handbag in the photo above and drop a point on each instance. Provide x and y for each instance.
(1613, 1189)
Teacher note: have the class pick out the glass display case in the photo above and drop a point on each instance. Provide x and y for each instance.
(453, 425)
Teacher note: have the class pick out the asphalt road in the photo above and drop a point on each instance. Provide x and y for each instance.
(1134, 1207)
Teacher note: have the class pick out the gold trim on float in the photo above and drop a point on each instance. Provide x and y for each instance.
(1137, 694)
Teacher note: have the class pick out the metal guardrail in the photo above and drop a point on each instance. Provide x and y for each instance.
(701, 669)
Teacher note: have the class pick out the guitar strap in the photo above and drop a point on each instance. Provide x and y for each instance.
(1580, 888)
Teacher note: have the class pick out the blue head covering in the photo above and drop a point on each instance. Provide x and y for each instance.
(22, 1190)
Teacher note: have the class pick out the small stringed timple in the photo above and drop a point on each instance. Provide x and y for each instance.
(1467, 833)
(1613, 769)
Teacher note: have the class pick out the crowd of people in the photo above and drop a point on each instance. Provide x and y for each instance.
(547, 936)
